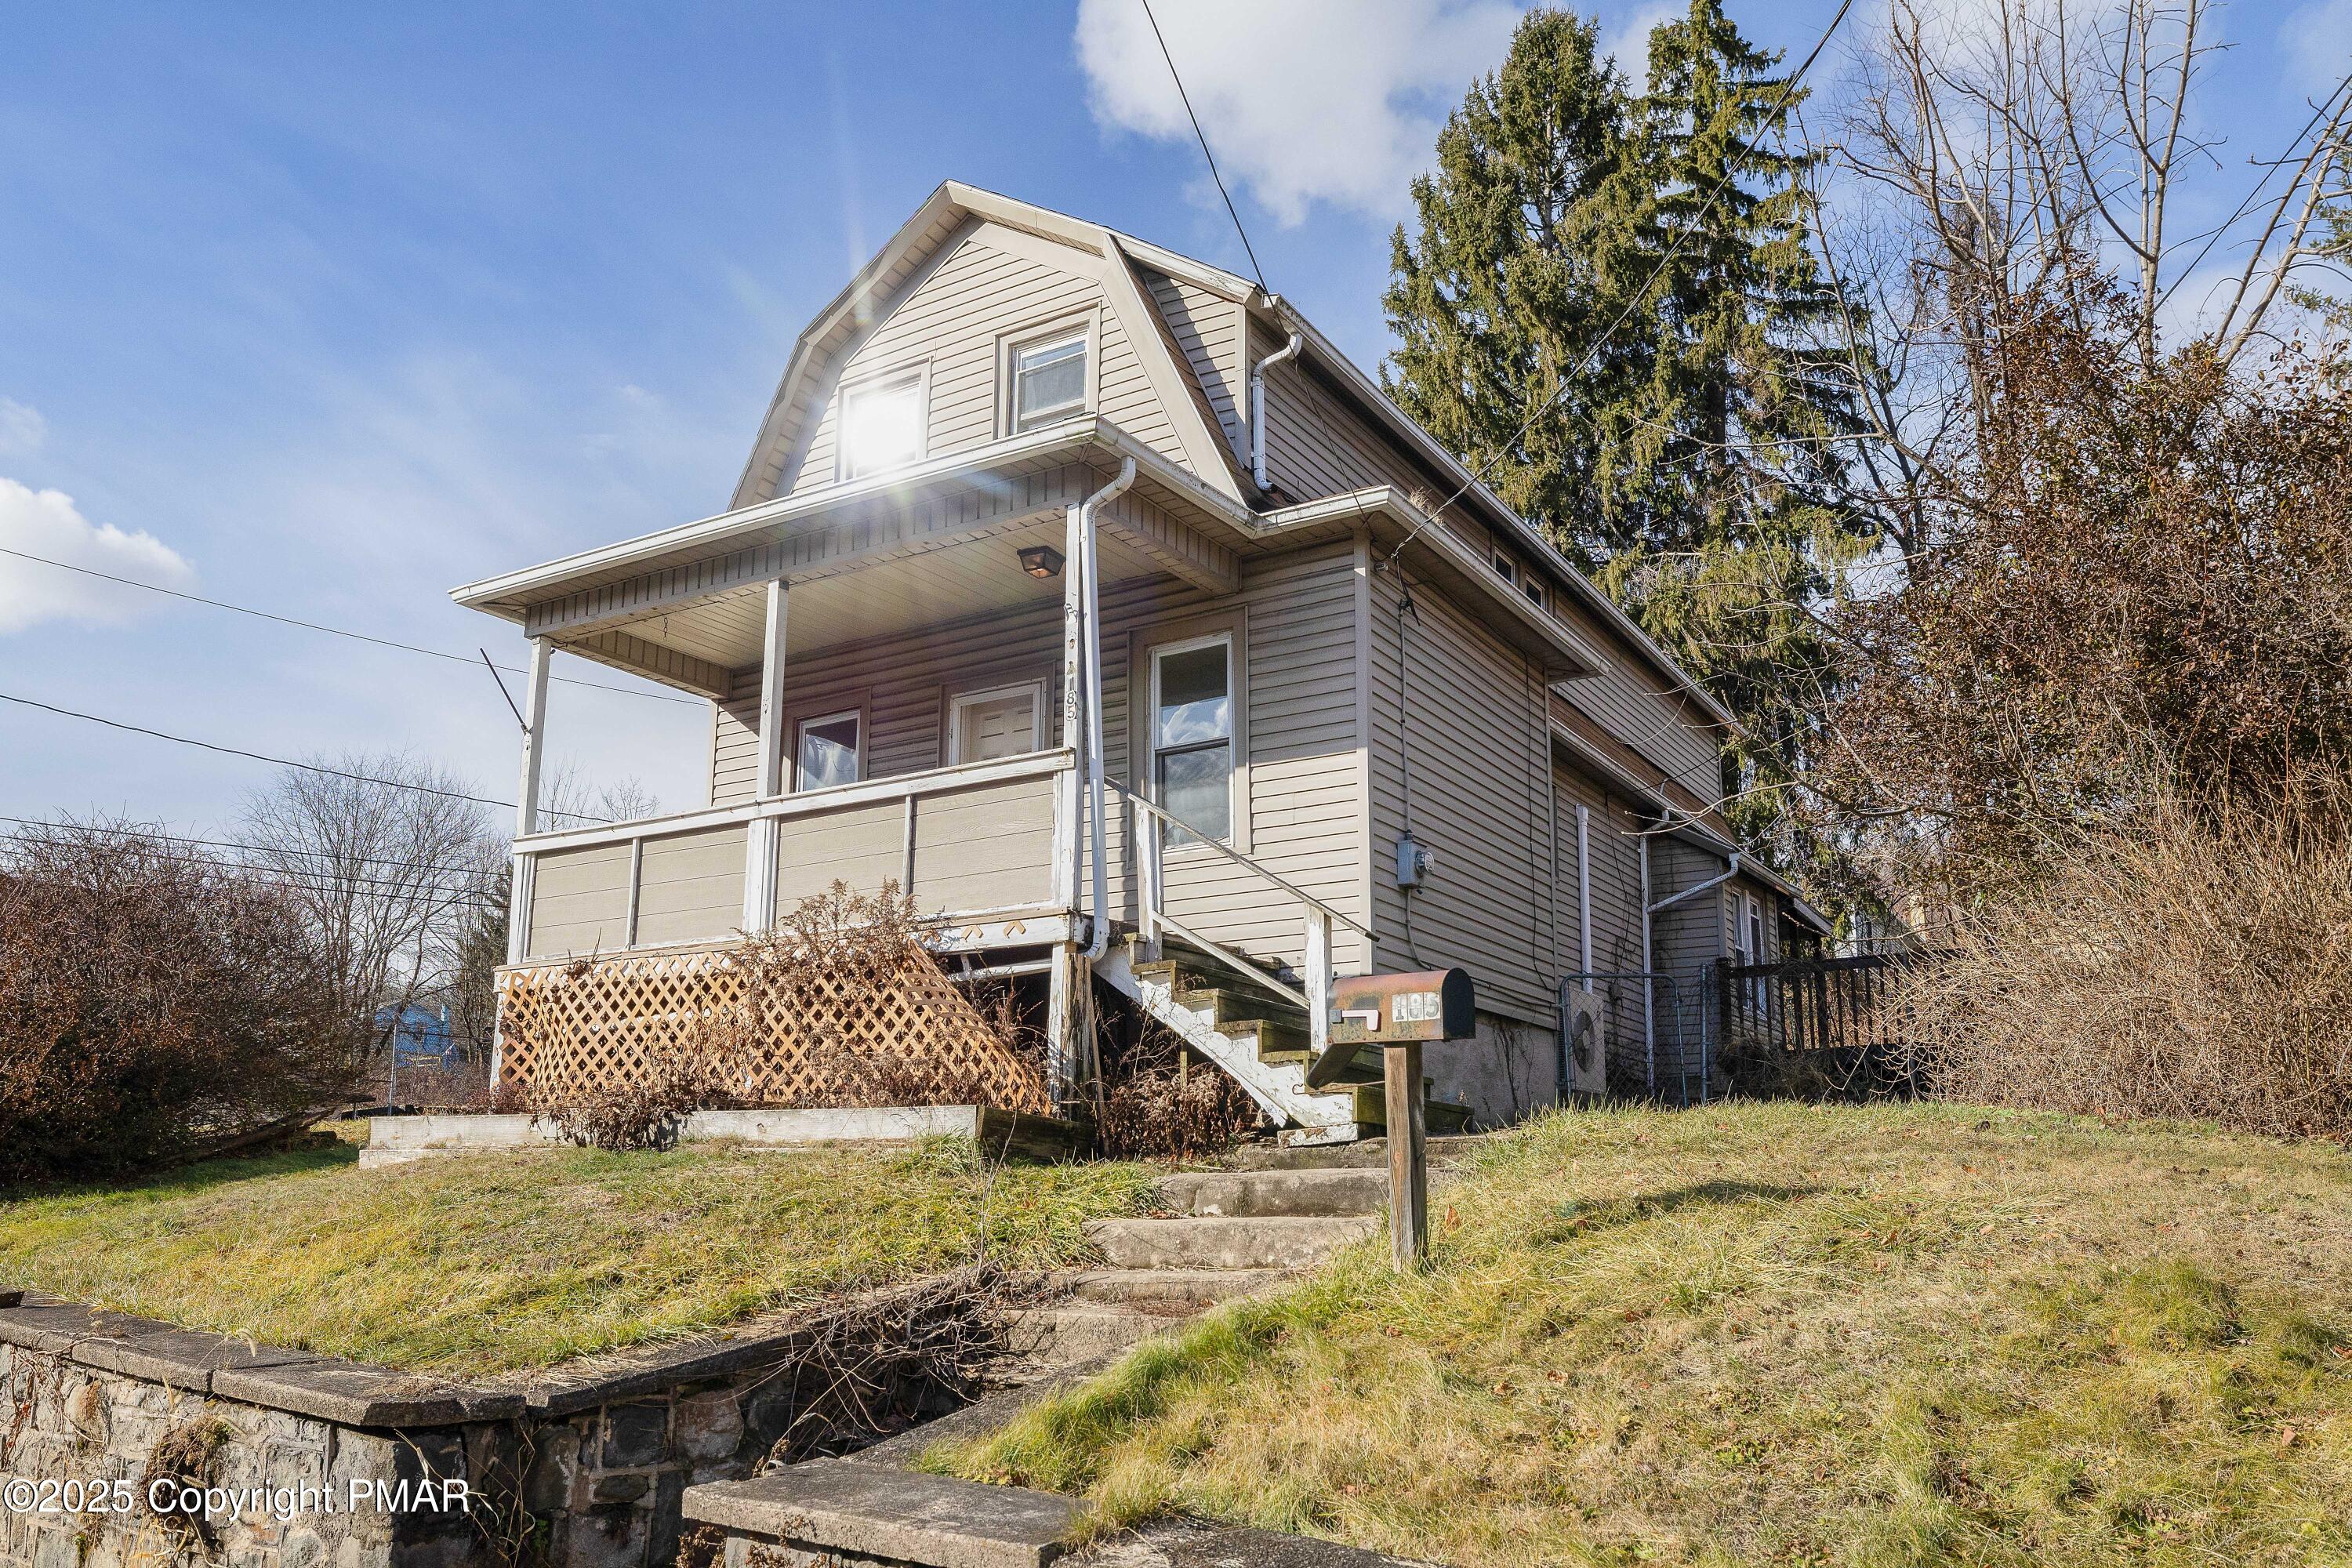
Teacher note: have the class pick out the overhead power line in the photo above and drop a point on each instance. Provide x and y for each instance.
(124, 830)
(1593, 351)
(331, 631)
(1186, 98)
(281, 762)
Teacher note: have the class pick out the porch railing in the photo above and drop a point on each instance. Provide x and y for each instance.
(1821, 1027)
(979, 839)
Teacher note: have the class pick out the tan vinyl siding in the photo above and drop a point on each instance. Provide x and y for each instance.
(861, 846)
(692, 888)
(1472, 740)
(580, 901)
(1208, 330)
(1665, 729)
(1295, 624)
(985, 848)
(1688, 939)
(955, 321)
(1612, 837)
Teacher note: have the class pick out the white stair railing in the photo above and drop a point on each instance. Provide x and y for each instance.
(1145, 822)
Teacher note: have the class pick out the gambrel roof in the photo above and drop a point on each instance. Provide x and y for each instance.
(1206, 419)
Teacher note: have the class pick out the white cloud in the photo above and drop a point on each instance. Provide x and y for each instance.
(22, 428)
(1303, 100)
(46, 523)
(2317, 40)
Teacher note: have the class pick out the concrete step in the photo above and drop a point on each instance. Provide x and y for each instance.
(1279, 1243)
(866, 1513)
(1369, 1153)
(1072, 1332)
(1240, 1194)
(1166, 1292)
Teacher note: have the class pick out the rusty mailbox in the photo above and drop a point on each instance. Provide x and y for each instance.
(1391, 1009)
(1400, 1013)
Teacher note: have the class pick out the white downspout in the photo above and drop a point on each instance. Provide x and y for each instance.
(1257, 405)
(1649, 978)
(1730, 869)
(1090, 650)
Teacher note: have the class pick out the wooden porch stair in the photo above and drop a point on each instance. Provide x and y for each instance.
(1242, 1023)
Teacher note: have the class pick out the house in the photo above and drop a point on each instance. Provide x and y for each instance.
(420, 1035)
(1088, 593)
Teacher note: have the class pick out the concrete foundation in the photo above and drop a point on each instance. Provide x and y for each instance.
(397, 1139)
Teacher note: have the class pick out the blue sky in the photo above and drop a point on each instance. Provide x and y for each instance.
(340, 307)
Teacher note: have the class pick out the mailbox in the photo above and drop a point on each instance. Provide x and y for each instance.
(1397, 1009)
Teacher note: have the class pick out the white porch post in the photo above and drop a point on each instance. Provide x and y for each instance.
(1066, 985)
(760, 834)
(534, 734)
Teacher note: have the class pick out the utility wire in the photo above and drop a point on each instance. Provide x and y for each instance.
(1187, 100)
(394, 862)
(282, 761)
(332, 631)
(1592, 351)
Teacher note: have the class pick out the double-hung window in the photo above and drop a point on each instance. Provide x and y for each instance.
(1192, 737)
(1049, 380)
(881, 425)
(829, 751)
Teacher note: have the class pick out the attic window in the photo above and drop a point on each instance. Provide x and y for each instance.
(1504, 569)
(1534, 590)
(881, 425)
(1049, 380)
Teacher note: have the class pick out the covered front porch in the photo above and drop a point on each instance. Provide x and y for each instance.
(907, 686)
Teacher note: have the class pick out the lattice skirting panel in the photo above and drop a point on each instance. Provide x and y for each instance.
(596, 1025)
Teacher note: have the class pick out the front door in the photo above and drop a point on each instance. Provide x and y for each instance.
(985, 725)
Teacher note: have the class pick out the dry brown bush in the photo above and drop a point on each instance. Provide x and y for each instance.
(2191, 962)
(153, 1004)
(1152, 1106)
(799, 989)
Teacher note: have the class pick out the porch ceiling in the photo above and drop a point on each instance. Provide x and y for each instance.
(974, 577)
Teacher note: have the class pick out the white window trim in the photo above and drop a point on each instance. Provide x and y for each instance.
(1033, 689)
(1008, 346)
(1237, 775)
(1536, 593)
(920, 373)
(1506, 569)
(799, 729)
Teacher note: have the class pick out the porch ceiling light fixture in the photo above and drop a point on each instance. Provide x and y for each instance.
(1041, 560)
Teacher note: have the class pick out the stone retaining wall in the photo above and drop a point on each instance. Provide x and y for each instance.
(577, 1471)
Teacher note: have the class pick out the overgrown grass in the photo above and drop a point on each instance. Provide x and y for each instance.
(1781, 1334)
(480, 1264)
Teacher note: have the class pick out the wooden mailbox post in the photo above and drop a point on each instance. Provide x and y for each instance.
(1400, 1013)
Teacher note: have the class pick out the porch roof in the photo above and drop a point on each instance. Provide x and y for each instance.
(686, 606)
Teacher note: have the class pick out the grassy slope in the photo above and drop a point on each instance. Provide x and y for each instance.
(472, 1265)
(1776, 1334)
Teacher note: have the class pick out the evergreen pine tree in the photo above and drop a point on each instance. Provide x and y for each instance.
(1695, 463)
(1502, 293)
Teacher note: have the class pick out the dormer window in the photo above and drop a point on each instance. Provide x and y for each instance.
(1049, 380)
(881, 425)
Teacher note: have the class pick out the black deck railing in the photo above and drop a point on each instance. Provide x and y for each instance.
(1818, 1028)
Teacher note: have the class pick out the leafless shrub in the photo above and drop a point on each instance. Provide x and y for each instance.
(847, 981)
(153, 1004)
(2194, 962)
(698, 1067)
(1154, 1104)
